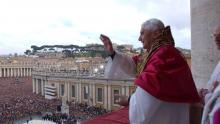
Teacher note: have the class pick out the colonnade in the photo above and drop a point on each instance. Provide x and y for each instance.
(15, 71)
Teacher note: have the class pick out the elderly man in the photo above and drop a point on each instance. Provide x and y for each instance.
(165, 87)
(211, 113)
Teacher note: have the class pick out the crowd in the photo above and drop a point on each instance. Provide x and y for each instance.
(17, 101)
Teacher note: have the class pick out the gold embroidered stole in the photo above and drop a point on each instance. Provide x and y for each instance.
(165, 38)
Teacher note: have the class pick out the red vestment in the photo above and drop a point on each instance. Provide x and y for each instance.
(167, 76)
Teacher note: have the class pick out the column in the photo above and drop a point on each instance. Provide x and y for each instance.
(57, 84)
(77, 91)
(109, 98)
(25, 73)
(93, 94)
(4, 71)
(204, 16)
(66, 94)
(8, 74)
(80, 92)
(23, 69)
(68, 91)
(33, 85)
(15, 72)
(22, 72)
(0, 72)
(91, 99)
(30, 71)
(19, 72)
(12, 70)
(37, 87)
(42, 87)
(127, 91)
(123, 90)
(105, 97)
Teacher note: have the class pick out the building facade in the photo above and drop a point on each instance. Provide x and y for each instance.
(92, 91)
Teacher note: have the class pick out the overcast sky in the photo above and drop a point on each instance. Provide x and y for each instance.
(63, 22)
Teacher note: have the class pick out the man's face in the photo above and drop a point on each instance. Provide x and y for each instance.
(216, 35)
(145, 38)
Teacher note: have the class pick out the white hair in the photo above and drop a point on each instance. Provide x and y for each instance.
(153, 24)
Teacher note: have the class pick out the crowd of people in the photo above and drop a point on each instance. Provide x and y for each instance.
(17, 101)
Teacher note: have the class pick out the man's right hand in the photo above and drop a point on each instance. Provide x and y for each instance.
(122, 100)
(107, 44)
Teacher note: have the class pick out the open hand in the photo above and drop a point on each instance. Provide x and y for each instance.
(107, 44)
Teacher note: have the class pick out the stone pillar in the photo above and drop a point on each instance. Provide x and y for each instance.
(123, 90)
(93, 94)
(66, 94)
(12, 72)
(30, 71)
(80, 92)
(4, 71)
(77, 91)
(204, 16)
(68, 91)
(57, 84)
(105, 96)
(20, 70)
(37, 87)
(91, 98)
(25, 72)
(109, 98)
(42, 87)
(8, 72)
(127, 91)
(0, 72)
(28, 74)
(33, 85)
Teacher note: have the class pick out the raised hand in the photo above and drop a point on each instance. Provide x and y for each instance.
(107, 44)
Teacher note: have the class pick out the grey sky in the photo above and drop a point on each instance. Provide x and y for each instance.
(48, 22)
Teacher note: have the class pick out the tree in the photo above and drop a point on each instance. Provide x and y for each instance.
(67, 53)
(27, 52)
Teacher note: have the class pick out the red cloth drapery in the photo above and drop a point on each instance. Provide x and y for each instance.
(167, 76)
